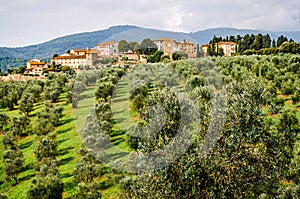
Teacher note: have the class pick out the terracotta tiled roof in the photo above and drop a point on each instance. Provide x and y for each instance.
(226, 42)
(36, 63)
(164, 39)
(79, 50)
(107, 43)
(70, 57)
(92, 51)
(185, 42)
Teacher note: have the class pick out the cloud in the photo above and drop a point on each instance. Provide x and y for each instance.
(34, 21)
(175, 17)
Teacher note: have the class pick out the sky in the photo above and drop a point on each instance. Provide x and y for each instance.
(28, 22)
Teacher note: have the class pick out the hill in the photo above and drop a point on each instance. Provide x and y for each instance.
(62, 44)
(129, 33)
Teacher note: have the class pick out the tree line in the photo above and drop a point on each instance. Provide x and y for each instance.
(256, 44)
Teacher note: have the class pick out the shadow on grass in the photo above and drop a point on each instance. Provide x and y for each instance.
(117, 133)
(65, 161)
(119, 120)
(33, 115)
(63, 131)
(85, 96)
(86, 106)
(27, 177)
(66, 121)
(118, 112)
(118, 100)
(66, 175)
(26, 144)
(64, 151)
(117, 141)
(116, 156)
(28, 166)
(63, 140)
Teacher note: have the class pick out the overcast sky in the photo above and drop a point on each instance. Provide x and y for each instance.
(25, 22)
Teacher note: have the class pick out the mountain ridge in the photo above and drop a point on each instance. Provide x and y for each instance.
(130, 33)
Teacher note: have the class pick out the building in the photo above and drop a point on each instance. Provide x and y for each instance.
(108, 48)
(130, 56)
(168, 46)
(229, 48)
(204, 50)
(91, 56)
(76, 58)
(188, 47)
(35, 67)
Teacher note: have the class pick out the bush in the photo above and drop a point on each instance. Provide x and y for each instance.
(288, 87)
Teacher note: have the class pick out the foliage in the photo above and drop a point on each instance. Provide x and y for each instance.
(3, 196)
(11, 63)
(255, 155)
(45, 148)
(178, 55)
(48, 118)
(20, 126)
(167, 102)
(4, 120)
(87, 191)
(26, 103)
(47, 187)
(52, 90)
(195, 81)
(10, 93)
(86, 169)
(249, 157)
(105, 90)
(35, 87)
(123, 46)
(148, 47)
(107, 60)
(296, 96)
(13, 163)
(156, 57)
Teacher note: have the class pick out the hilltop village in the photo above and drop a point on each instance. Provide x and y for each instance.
(120, 54)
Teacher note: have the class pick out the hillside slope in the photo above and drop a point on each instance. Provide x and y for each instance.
(62, 44)
(129, 33)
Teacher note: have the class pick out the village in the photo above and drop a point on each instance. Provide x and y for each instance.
(108, 52)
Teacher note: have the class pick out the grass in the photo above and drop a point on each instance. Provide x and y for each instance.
(68, 144)
(27, 145)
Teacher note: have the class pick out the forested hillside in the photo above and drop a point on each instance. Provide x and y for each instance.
(129, 33)
(62, 44)
(6, 63)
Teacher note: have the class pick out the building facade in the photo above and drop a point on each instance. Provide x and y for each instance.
(168, 46)
(188, 47)
(76, 58)
(229, 48)
(35, 67)
(108, 48)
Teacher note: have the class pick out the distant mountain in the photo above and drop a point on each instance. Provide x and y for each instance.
(62, 44)
(139, 34)
(129, 33)
(205, 36)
